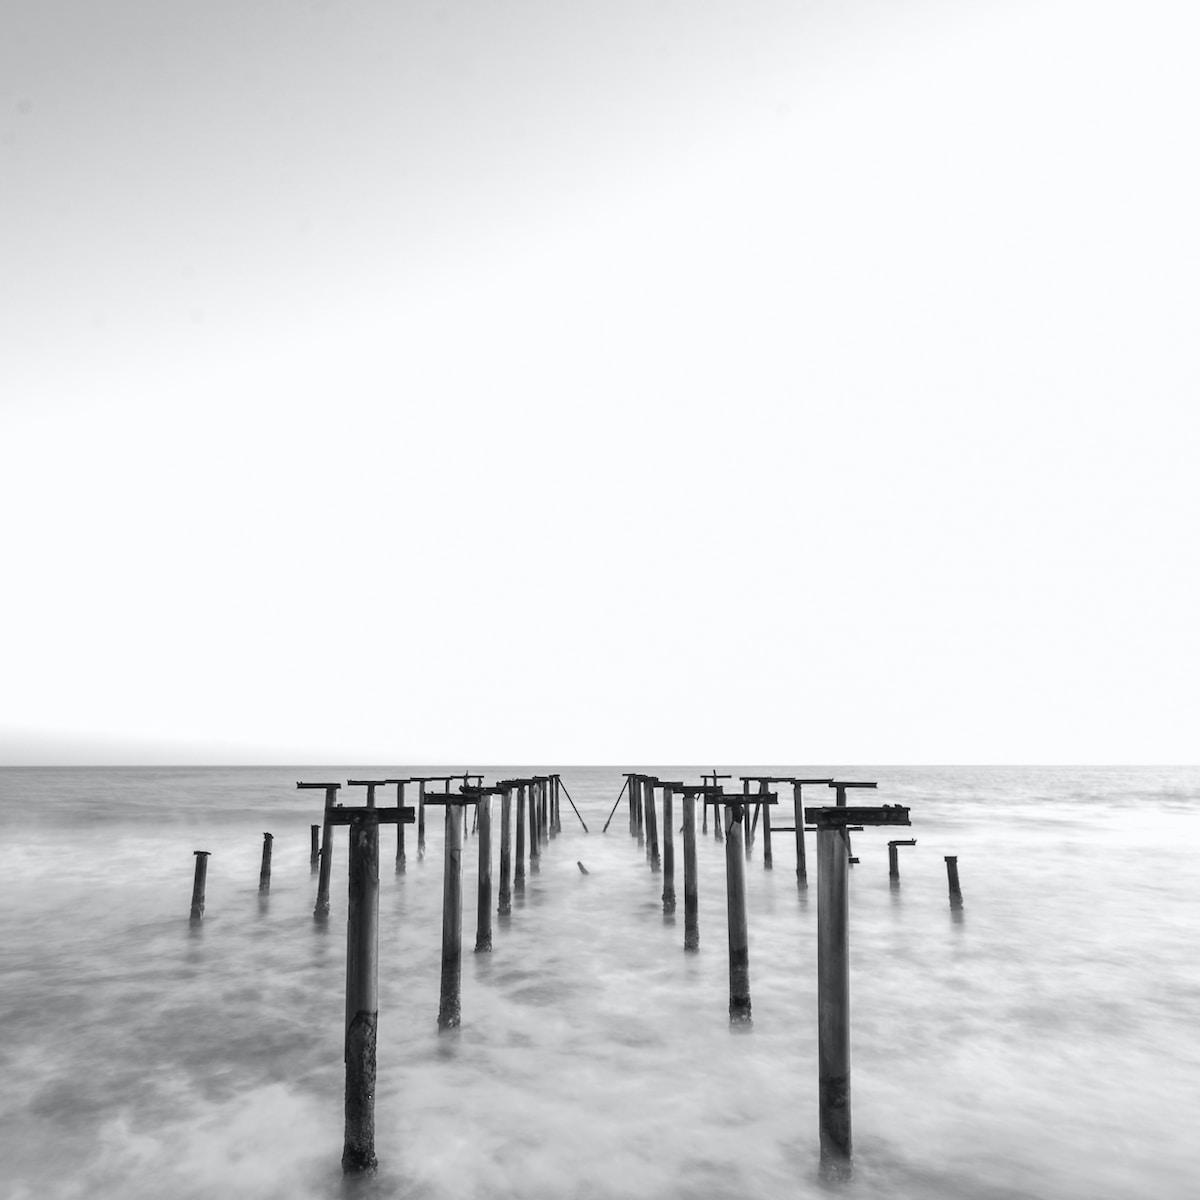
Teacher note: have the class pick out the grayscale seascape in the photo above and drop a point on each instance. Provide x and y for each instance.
(1042, 1043)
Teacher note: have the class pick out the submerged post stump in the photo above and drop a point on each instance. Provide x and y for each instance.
(264, 872)
(505, 852)
(956, 900)
(362, 992)
(199, 882)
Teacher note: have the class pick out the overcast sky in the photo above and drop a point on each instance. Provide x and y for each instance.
(598, 381)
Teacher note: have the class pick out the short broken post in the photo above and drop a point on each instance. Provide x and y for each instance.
(956, 900)
(833, 975)
(321, 910)
(264, 872)
(199, 882)
(894, 856)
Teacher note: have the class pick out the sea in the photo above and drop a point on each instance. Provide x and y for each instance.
(1041, 1041)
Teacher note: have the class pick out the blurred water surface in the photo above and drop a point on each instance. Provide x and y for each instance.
(1043, 1043)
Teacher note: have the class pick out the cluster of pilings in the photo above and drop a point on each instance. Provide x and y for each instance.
(738, 816)
(530, 818)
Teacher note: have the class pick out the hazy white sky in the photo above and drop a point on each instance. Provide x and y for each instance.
(509, 381)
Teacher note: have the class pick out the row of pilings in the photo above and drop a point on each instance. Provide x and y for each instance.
(737, 817)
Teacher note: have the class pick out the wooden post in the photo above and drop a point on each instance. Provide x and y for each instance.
(544, 811)
(505, 852)
(748, 828)
(264, 873)
(401, 861)
(956, 900)
(535, 853)
(362, 992)
(798, 812)
(668, 863)
(519, 885)
(316, 847)
(766, 830)
(639, 812)
(552, 801)
(483, 922)
(691, 906)
(651, 826)
(450, 1006)
(630, 782)
(735, 901)
(420, 819)
(833, 1000)
(321, 910)
(199, 883)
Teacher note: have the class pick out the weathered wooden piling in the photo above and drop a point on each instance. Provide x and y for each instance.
(362, 993)
(316, 847)
(833, 975)
(668, 848)
(747, 822)
(956, 900)
(535, 852)
(420, 819)
(401, 861)
(199, 884)
(894, 856)
(691, 905)
(264, 871)
(552, 803)
(321, 909)
(519, 883)
(652, 851)
(735, 816)
(450, 1002)
(505, 852)
(766, 831)
(639, 810)
(483, 912)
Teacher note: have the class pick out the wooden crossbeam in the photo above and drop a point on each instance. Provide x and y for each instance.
(842, 817)
(341, 815)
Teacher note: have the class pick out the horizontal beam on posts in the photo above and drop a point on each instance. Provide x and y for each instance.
(340, 815)
(848, 818)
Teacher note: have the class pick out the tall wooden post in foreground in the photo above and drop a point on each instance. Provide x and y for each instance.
(321, 910)
(833, 975)
(362, 993)
(361, 1016)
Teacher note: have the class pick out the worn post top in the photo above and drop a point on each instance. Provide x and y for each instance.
(370, 785)
(840, 787)
(844, 818)
(330, 789)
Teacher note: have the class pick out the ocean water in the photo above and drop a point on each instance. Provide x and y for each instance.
(1044, 1042)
